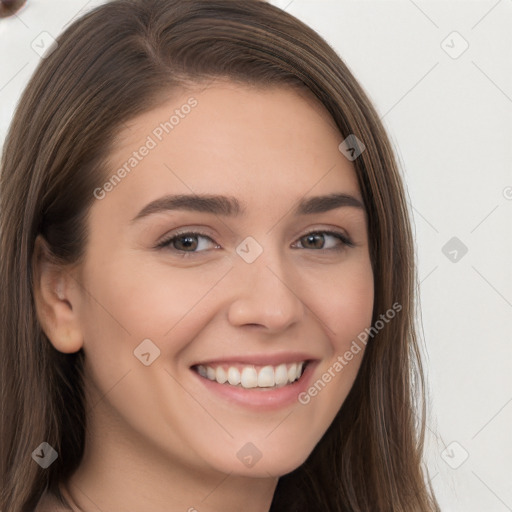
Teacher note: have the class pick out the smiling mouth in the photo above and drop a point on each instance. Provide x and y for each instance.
(253, 376)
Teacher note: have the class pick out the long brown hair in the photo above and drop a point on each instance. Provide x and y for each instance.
(112, 64)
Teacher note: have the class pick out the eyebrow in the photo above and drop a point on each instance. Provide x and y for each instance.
(230, 206)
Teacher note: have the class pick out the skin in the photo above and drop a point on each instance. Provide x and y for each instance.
(157, 439)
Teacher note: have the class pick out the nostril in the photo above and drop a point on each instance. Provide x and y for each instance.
(10, 7)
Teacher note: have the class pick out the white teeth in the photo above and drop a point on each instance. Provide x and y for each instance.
(233, 376)
(292, 372)
(249, 378)
(267, 377)
(210, 373)
(220, 375)
(281, 375)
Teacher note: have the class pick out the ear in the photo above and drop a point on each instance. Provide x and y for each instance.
(56, 300)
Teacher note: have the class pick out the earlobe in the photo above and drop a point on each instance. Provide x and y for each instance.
(55, 300)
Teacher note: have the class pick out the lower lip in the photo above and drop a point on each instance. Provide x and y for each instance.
(262, 398)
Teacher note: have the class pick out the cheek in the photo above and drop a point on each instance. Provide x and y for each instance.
(344, 307)
(134, 300)
(343, 301)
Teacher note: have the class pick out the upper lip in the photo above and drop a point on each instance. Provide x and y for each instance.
(259, 359)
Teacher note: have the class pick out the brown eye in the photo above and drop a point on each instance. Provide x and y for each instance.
(320, 240)
(313, 241)
(186, 242)
(9, 7)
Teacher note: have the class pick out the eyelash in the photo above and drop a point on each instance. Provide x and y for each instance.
(166, 243)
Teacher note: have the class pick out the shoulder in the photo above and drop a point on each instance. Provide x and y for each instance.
(51, 503)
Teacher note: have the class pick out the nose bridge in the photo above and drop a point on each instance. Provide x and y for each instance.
(264, 293)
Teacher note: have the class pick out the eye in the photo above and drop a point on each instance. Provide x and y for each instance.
(317, 239)
(187, 242)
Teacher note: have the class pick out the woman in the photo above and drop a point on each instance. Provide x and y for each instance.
(207, 274)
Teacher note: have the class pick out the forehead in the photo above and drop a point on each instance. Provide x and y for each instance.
(261, 144)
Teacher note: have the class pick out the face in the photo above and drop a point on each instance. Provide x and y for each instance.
(208, 322)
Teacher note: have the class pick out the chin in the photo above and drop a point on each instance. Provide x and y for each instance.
(263, 464)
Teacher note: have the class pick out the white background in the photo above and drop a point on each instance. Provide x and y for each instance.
(450, 119)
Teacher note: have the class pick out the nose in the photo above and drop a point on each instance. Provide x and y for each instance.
(264, 295)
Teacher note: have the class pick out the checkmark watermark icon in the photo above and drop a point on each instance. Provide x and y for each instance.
(351, 147)
(454, 45)
(44, 44)
(454, 455)
(45, 455)
(249, 455)
(454, 249)
(249, 249)
(146, 352)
